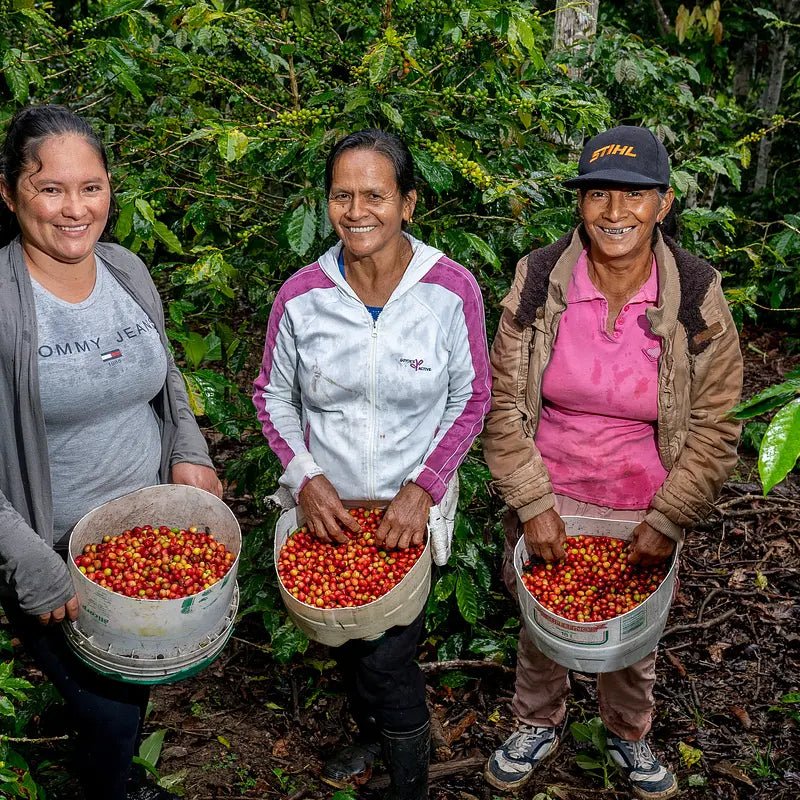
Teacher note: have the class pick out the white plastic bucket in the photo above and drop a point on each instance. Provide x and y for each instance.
(401, 605)
(596, 646)
(154, 641)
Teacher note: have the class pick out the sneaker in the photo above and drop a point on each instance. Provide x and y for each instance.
(513, 763)
(351, 766)
(648, 778)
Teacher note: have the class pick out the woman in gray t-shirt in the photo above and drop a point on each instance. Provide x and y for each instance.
(92, 406)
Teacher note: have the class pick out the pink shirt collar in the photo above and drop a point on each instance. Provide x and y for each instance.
(582, 288)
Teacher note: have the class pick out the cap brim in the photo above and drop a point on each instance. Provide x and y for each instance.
(614, 177)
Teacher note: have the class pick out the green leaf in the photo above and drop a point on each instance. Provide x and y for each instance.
(379, 62)
(438, 176)
(195, 349)
(145, 209)
(232, 144)
(586, 762)
(467, 599)
(483, 249)
(780, 446)
(689, 755)
(6, 707)
(771, 397)
(150, 748)
(167, 236)
(445, 586)
(16, 75)
(124, 222)
(287, 642)
(393, 115)
(302, 228)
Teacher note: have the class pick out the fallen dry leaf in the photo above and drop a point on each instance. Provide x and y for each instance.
(738, 579)
(730, 771)
(742, 716)
(456, 730)
(677, 663)
(716, 651)
(281, 748)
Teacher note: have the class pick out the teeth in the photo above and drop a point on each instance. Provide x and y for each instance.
(366, 229)
(617, 231)
(72, 227)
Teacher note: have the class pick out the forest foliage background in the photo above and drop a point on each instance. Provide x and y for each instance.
(218, 115)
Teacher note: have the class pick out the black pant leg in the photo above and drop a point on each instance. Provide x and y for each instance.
(107, 714)
(385, 683)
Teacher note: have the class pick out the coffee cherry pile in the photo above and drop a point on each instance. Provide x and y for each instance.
(345, 575)
(595, 582)
(156, 563)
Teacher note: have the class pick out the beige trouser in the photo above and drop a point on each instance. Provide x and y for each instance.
(542, 686)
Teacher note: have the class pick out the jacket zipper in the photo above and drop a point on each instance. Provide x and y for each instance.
(373, 347)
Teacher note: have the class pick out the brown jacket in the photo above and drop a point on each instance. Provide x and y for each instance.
(699, 381)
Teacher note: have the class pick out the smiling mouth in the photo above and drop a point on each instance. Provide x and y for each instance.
(73, 228)
(362, 229)
(617, 231)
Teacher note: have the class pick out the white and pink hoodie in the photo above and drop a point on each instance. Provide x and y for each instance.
(371, 404)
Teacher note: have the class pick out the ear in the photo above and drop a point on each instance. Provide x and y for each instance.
(409, 204)
(6, 194)
(666, 204)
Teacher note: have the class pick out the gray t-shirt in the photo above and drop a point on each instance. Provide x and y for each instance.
(100, 363)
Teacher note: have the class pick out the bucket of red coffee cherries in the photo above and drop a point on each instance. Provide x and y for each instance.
(593, 611)
(155, 576)
(355, 590)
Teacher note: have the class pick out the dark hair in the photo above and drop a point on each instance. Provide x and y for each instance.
(389, 145)
(26, 133)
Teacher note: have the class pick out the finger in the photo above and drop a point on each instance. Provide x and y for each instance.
(44, 619)
(348, 521)
(72, 608)
(334, 530)
(392, 535)
(404, 540)
(57, 615)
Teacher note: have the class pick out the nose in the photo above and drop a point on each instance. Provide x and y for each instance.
(73, 205)
(616, 206)
(356, 208)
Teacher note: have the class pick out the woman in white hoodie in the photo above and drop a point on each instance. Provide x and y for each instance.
(373, 386)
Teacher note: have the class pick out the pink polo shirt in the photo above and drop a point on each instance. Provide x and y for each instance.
(597, 432)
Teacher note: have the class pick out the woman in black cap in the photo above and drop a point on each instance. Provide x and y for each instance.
(617, 337)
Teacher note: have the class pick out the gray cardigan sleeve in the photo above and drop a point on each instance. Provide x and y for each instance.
(32, 570)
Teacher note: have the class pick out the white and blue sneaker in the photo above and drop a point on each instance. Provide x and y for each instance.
(513, 764)
(648, 778)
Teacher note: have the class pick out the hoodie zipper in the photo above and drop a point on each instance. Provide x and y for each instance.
(373, 348)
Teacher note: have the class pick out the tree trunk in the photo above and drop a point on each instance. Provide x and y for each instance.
(770, 99)
(576, 21)
(664, 25)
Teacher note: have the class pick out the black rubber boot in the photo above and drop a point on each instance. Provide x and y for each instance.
(351, 766)
(406, 756)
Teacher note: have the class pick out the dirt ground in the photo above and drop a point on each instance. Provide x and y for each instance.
(249, 728)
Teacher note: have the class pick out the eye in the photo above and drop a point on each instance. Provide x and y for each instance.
(94, 187)
(49, 190)
(339, 197)
(597, 195)
(634, 193)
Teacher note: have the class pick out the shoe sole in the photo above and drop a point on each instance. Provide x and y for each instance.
(511, 786)
(344, 783)
(671, 792)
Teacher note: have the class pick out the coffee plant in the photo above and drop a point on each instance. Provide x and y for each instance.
(218, 115)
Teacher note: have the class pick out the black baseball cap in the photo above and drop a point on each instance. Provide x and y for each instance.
(626, 155)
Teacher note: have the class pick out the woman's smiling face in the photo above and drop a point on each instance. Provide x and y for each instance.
(620, 221)
(365, 205)
(62, 200)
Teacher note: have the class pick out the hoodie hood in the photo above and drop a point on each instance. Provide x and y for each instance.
(423, 259)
